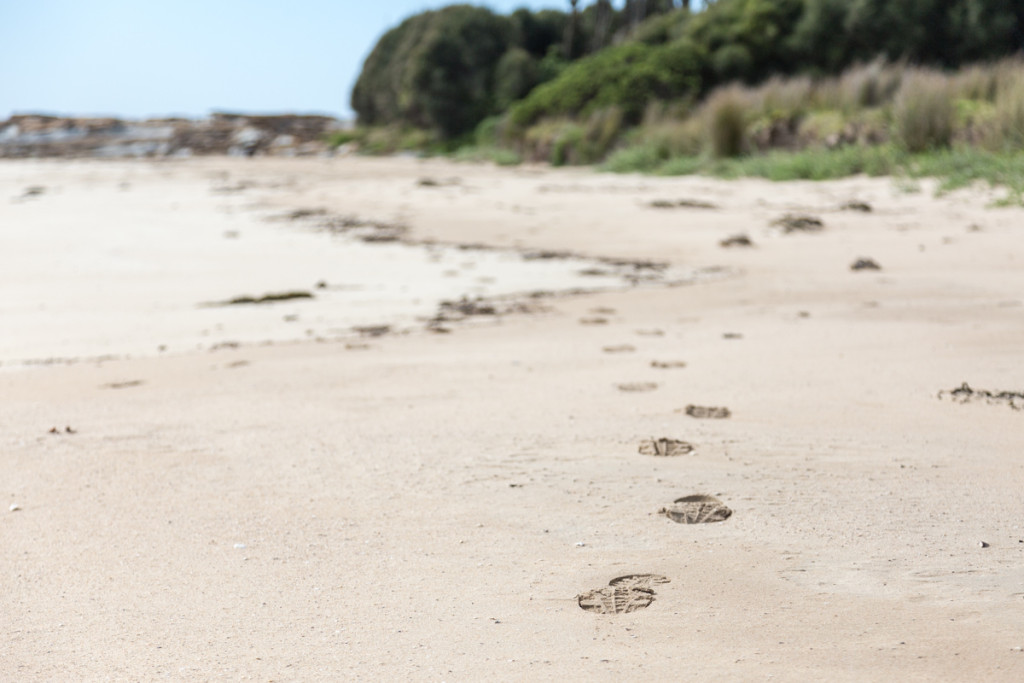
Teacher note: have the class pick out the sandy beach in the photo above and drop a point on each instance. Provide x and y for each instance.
(264, 492)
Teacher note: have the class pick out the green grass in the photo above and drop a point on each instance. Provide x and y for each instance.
(496, 155)
(637, 159)
(812, 164)
(954, 168)
(961, 167)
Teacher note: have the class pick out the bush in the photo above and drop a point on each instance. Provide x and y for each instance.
(924, 111)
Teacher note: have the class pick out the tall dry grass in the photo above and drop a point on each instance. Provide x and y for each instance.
(924, 111)
(1008, 127)
(871, 104)
(725, 118)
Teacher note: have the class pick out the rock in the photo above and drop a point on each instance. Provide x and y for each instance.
(35, 135)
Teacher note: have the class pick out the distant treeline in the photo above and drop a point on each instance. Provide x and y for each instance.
(447, 70)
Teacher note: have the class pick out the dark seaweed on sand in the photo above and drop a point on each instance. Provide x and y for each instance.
(965, 394)
(273, 297)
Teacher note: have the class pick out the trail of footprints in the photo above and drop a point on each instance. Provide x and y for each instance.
(634, 592)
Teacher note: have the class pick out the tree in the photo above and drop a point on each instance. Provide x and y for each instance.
(572, 33)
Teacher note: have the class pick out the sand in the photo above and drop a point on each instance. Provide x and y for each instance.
(438, 506)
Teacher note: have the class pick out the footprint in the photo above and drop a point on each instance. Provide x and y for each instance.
(123, 385)
(736, 241)
(623, 595)
(665, 447)
(667, 364)
(603, 310)
(651, 333)
(637, 386)
(594, 321)
(708, 412)
(696, 509)
(619, 348)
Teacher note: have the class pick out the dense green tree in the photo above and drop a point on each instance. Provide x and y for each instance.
(832, 34)
(515, 76)
(747, 39)
(453, 79)
(819, 37)
(626, 76)
(436, 70)
(984, 28)
(538, 31)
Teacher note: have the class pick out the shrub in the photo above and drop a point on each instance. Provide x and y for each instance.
(924, 112)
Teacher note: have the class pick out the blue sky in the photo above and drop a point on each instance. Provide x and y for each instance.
(139, 58)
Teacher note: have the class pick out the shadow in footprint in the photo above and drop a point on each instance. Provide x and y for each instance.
(697, 509)
(623, 595)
